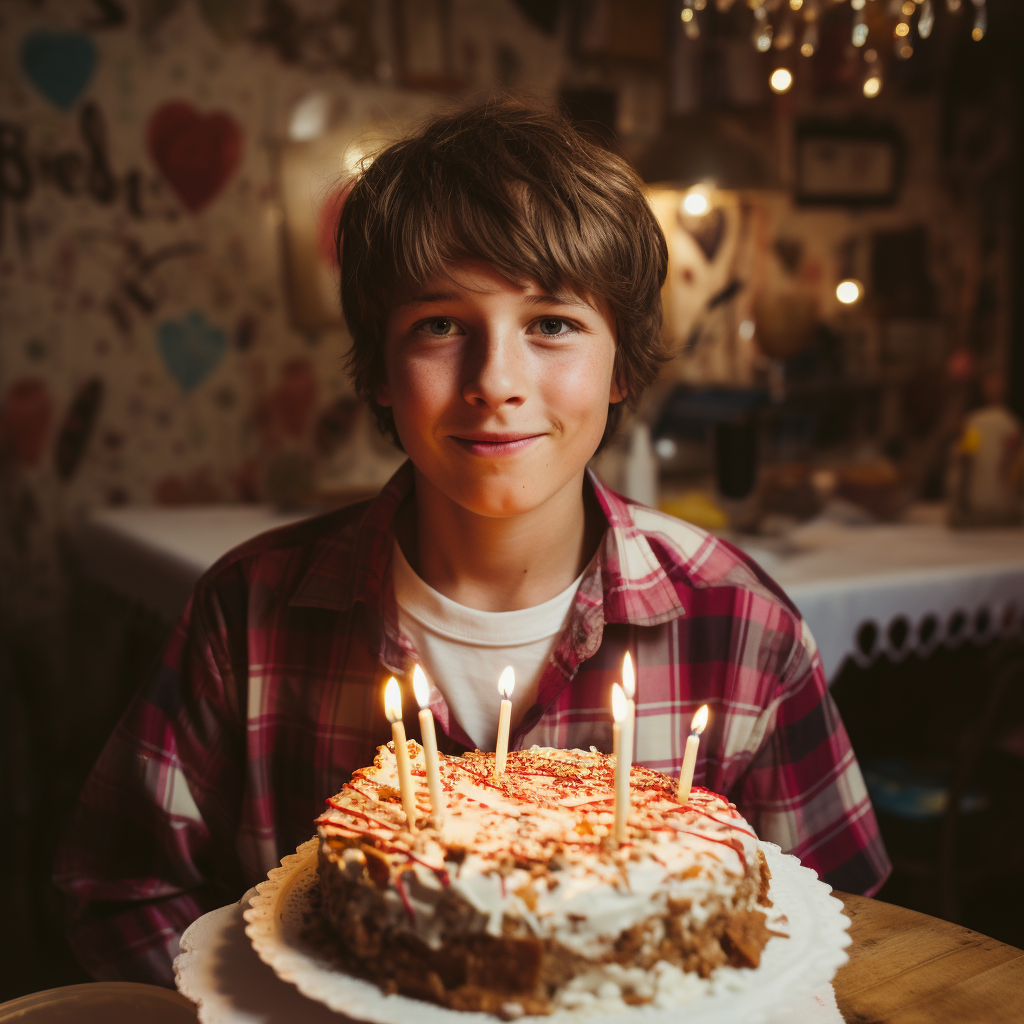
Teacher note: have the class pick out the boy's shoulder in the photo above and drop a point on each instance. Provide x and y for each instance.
(322, 543)
(652, 539)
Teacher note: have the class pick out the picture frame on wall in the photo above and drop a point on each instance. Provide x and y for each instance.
(847, 164)
(425, 45)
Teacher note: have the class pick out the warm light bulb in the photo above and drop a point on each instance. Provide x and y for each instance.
(686, 14)
(872, 86)
(628, 677)
(393, 701)
(420, 687)
(795, 5)
(857, 5)
(977, 34)
(700, 720)
(781, 80)
(618, 703)
(697, 201)
(507, 682)
(848, 291)
(902, 29)
(908, 7)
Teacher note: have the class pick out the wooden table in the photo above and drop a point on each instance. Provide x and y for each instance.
(909, 968)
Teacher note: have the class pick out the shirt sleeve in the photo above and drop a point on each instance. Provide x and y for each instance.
(151, 845)
(803, 789)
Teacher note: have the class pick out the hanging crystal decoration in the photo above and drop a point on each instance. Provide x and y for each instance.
(763, 31)
(980, 21)
(810, 41)
(860, 29)
(926, 19)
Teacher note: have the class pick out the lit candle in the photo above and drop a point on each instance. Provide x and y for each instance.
(697, 726)
(393, 709)
(618, 701)
(629, 689)
(422, 691)
(623, 761)
(505, 685)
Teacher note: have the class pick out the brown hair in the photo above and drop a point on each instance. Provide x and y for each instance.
(520, 189)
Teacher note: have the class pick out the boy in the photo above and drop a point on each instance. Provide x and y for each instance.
(501, 281)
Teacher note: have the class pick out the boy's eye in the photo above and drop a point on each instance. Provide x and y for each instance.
(551, 325)
(439, 327)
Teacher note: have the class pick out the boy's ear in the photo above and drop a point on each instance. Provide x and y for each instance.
(618, 392)
(382, 396)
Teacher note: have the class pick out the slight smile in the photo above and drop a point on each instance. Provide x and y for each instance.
(494, 445)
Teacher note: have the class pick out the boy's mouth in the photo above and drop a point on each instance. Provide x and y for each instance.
(493, 445)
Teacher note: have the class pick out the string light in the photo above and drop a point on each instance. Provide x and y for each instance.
(901, 29)
(908, 8)
(872, 85)
(697, 200)
(810, 40)
(849, 291)
(781, 80)
(795, 5)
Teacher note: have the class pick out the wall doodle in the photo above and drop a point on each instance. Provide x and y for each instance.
(76, 429)
(197, 153)
(192, 347)
(25, 422)
(58, 64)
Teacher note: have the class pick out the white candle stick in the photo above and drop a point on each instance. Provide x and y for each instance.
(430, 759)
(618, 700)
(629, 689)
(697, 726)
(393, 709)
(505, 686)
(623, 762)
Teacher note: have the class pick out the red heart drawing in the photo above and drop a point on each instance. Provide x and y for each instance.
(198, 153)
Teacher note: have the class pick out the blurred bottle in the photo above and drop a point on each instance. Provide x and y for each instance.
(640, 480)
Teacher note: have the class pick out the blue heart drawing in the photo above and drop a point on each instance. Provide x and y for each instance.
(59, 64)
(191, 347)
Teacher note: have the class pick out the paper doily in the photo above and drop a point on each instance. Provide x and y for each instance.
(287, 905)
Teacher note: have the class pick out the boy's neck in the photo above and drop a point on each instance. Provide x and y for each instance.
(499, 564)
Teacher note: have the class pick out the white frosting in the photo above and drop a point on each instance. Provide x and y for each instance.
(534, 846)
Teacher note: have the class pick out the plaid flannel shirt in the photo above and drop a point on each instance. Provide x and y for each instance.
(268, 696)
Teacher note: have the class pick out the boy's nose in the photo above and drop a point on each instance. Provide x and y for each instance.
(496, 373)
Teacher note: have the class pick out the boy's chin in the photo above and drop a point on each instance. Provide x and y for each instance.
(505, 499)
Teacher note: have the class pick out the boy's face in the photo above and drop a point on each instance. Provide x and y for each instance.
(500, 392)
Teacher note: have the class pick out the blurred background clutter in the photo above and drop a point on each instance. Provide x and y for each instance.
(839, 182)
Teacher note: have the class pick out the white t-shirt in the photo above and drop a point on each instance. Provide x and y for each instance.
(463, 650)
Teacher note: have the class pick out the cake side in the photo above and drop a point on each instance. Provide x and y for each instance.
(521, 889)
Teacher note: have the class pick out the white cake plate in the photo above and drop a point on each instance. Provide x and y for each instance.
(225, 979)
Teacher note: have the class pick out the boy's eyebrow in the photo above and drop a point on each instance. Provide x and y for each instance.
(534, 300)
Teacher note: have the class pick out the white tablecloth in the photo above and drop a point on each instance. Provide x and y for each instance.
(155, 555)
(839, 575)
(842, 576)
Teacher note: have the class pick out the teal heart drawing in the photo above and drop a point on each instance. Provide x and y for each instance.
(59, 64)
(192, 347)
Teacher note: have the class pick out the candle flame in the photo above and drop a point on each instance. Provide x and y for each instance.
(628, 677)
(420, 687)
(393, 701)
(700, 720)
(507, 683)
(618, 703)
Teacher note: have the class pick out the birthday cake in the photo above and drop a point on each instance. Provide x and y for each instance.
(519, 900)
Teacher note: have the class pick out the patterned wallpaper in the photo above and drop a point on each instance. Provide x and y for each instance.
(146, 348)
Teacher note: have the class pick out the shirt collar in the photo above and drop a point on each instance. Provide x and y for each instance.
(631, 581)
